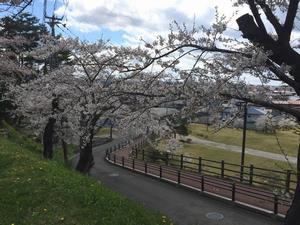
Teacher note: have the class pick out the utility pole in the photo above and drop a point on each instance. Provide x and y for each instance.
(244, 141)
(53, 63)
(52, 21)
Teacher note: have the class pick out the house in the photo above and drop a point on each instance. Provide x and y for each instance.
(257, 118)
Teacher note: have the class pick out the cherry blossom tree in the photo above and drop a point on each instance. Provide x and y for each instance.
(265, 51)
(100, 81)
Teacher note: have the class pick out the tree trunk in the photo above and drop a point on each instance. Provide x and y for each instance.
(282, 52)
(86, 159)
(293, 214)
(65, 151)
(48, 139)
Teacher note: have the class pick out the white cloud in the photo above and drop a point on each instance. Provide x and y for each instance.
(139, 18)
(148, 18)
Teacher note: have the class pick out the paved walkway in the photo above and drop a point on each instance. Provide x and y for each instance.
(183, 206)
(249, 151)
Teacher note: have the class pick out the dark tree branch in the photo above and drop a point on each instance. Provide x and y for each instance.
(256, 15)
(270, 16)
(140, 94)
(283, 108)
(23, 8)
(198, 47)
(290, 17)
(283, 77)
(280, 52)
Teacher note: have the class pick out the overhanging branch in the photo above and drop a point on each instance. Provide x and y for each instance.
(290, 17)
(270, 16)
(283, 108)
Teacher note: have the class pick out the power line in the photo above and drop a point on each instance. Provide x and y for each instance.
(53, 20)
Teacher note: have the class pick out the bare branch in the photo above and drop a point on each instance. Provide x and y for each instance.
(270, 16)
(290, 17)
(256, 15)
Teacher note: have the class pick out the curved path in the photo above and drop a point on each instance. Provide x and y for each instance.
(184, 207)
(238, 149)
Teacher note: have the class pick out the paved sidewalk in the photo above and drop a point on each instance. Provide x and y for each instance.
(183, 206)
(249, 151)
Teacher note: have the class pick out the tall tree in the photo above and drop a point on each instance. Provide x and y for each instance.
(8, 66)
(24, 26)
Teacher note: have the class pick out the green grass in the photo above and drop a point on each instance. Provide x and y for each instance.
(235, 158)
(257, 140)
(231, 157)
(37, 191)
(215, 154)
(211, 153)
(104, 131)
(18, 136)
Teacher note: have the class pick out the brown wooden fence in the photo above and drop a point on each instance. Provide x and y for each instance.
(170, 171)
(275, 180)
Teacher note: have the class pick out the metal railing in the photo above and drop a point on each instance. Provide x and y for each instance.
(274, 180)
(177, 172)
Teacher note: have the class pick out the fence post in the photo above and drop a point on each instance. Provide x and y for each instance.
(133, 164)
(114, 158)
(178, 176)
(136, 152)
(143, 151)
(123, 161)
(222, 168)
(146, 167)
(233, 192)
(241, 173)
(181, 161)
(288, 181)
(202, 183)
(275, 204)
(200, 165)
(251, 174)
(160, 172)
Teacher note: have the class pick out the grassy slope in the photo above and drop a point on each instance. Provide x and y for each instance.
(257, 140)
(36, 191)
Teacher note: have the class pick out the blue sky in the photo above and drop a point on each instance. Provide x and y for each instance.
(127, 21)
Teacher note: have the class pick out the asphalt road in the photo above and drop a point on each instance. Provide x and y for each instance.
(184, 207)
